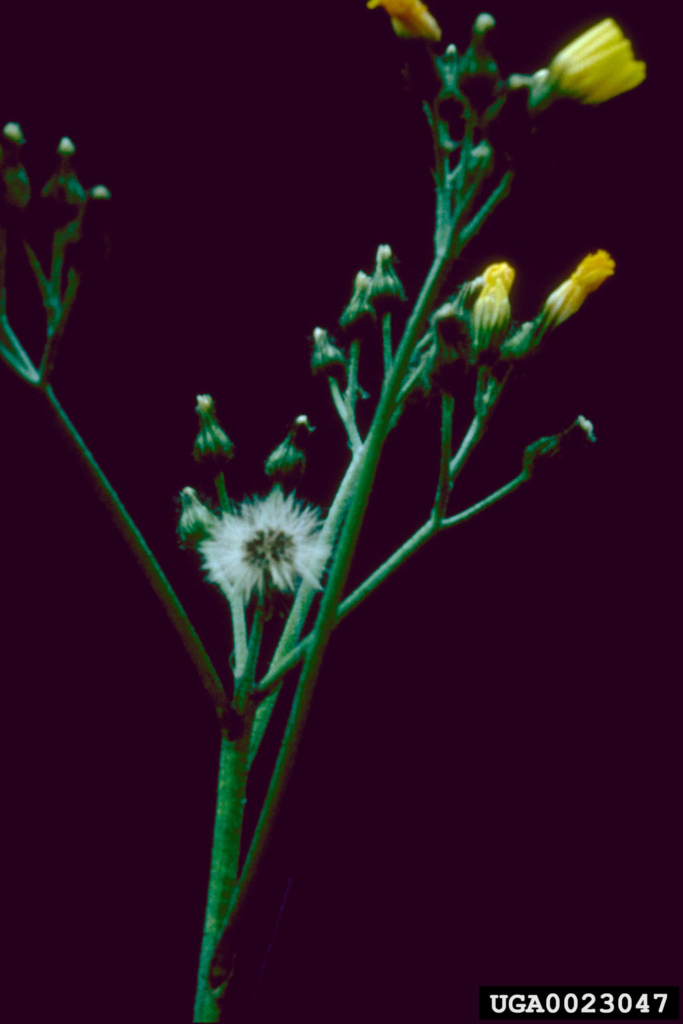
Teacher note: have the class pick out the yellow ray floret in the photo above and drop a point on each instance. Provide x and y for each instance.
(598, 65)
(588, 276)
(410, 18)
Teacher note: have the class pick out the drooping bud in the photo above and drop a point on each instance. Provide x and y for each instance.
(211, 443)
(360, 304)
(196, 521)
(385, 283)
(288, 460)
(325, 357)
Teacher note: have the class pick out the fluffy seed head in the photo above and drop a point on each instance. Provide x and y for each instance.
(274, 541)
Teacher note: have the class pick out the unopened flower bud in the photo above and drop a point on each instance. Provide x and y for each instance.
(196, 521)
(211, 443)
(385, 283)
(325, 356)
(483, 24)
(99, 192)
(288, 460)
(570, 296)
(491, 310)
(359, 305)
(64, 187)
(13, 133)
(17, 190)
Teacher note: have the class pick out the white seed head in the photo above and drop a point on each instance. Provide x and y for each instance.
(274, 541)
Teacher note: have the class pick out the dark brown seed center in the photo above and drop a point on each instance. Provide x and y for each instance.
(269, 546)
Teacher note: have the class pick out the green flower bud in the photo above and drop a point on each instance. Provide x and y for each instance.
(384, 283)
(360, 304)
(64, 187)
(196, 521)
(211, 443)
(288, 460)
(326, 356)
(17, 191)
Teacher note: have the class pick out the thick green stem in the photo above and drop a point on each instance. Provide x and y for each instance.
(227, 832)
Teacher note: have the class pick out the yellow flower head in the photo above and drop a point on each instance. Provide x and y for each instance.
(491, 311)
(410, 18)
(598, 65)
(569, 297)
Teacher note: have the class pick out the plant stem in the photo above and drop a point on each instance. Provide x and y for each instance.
(302, 603)
(145, 559)
(327, 614)
(227, 832)
(420, 537)
(443, 488)
(387, 352)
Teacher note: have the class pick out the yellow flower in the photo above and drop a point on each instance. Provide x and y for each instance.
(491, 311)
(410, 18)
(569, 297)
(598, 65)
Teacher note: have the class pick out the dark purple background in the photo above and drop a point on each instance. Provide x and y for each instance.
(489, 787)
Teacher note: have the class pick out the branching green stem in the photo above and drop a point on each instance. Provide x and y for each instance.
(145, 559)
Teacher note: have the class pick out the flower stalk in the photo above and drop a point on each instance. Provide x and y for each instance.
(265, 549)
